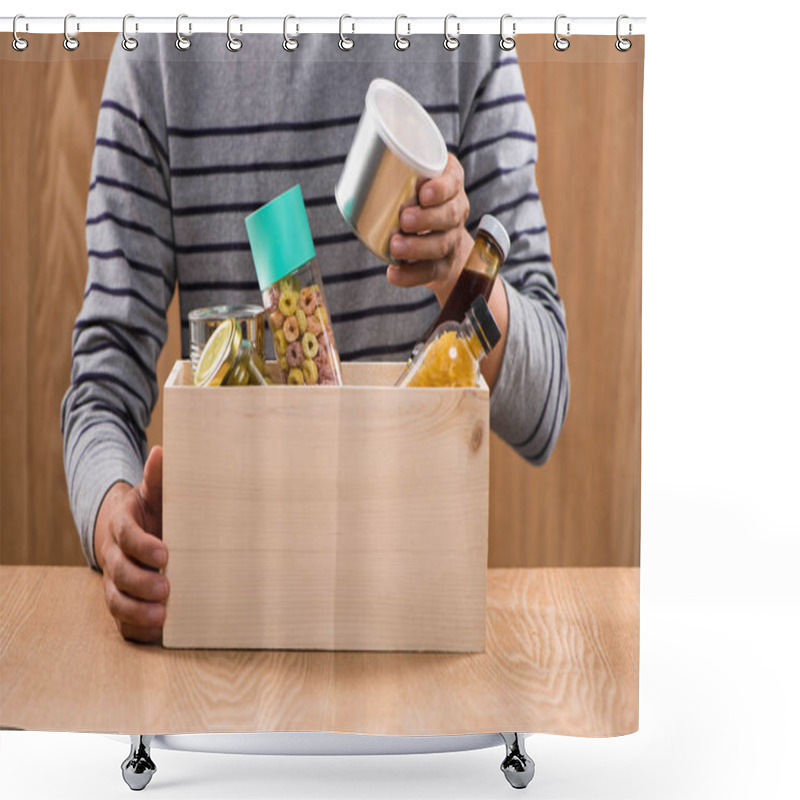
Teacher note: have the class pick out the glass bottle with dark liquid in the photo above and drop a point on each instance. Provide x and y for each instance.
(476, 279)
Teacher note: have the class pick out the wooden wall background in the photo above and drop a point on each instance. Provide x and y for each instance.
(581, 509)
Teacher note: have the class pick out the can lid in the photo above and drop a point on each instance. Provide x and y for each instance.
(495, 229)
(280, 237)
(219, 313)
(406, 127)
(219, 354)
(485, 326)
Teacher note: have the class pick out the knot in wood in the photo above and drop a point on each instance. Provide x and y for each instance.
(477, 436)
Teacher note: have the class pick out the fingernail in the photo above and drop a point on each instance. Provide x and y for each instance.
(426, 195)
(160, 557)
(408, 218)
(398, 246)
(163, 589)
(156, 613)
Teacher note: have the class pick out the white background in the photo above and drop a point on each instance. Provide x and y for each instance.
(720, 547)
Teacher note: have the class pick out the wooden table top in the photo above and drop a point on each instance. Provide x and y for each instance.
(562, 653)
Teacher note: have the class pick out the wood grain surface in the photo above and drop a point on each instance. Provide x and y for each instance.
(45, 180)
(344, 518)
(561, 657)
(582, 508)
(50, 100)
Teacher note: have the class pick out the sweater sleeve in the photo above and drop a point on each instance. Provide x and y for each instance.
(121, 327)
(498, 150)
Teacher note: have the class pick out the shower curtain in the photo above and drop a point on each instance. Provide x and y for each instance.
(127, 173)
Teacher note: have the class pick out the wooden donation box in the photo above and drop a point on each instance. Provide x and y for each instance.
(326, 518)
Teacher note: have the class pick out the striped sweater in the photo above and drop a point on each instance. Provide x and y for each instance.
(188, 143)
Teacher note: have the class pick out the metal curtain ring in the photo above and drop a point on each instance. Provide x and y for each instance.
(345, 43)
(289, 44)
(451, 42)
(128, 42)
(181, 42)
(623, 45)
(18, 43)
(400, 42)
(507, 42)
(70, 42)
(233, 44)
(560, 44)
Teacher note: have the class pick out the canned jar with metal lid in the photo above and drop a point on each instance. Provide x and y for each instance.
(291, 287)
(204, 321)
(229, 359)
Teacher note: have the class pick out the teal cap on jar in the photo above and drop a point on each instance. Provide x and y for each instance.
(280, 238)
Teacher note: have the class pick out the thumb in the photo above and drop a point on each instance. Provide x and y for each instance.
(151, 486)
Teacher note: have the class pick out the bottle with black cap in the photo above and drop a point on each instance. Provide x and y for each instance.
(452, 355)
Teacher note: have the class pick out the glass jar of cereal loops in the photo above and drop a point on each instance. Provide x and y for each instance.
(291, 287)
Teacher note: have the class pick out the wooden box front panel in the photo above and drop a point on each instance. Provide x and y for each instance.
(349, 519)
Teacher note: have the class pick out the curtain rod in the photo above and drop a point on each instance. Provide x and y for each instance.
(457, 26)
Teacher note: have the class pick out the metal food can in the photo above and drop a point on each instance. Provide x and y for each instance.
(396, 146)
